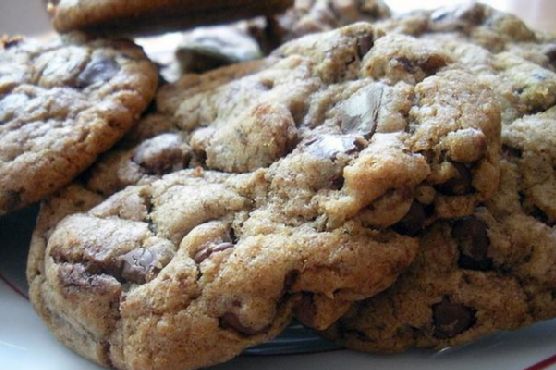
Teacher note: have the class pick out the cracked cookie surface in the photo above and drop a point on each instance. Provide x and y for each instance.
(157, 274)
(111, 17)
(498, 48)
(495, 269)
(61, 104)
(285, 187)
(430, 134)
(492, 271)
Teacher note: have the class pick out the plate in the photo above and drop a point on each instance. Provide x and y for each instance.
(26, 344)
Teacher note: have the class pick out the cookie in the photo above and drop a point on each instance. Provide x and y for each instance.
(311, 16)
(529, 144)
(191, 260)
(301, 96)
(474, 276)
(61, 104)
(486, 26)
(493, 270)
(516, 61)
(206, 48)
(258, 192)
(111, 17)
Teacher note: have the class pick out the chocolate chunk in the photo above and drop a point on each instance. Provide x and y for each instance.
(359, 114)
(337, 182)
(550, 52)
(451, 319)
(471, 237)
(77, 276)
(136, 264)
(429, 66)
(201, 61)
(99, 70)
(205, 253)
(364, 44)
(233, 236)
(432, 64)
(329, 146)
(231, 321)
(161, 154)
(306, 310)
(407, 65)
(202, 255)
(413, 221)
(539, 215)
(222, 247)
(460, 184)
(9, 42)
(509, 152)
(200, 156)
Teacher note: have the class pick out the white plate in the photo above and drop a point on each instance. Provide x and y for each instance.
(25, 343)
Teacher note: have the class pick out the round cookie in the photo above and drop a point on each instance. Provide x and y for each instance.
(111, 17)
(311, 16)
(191, 260)
(495, 270)
(62, 103)
(303, 173)
(517, 62)
(492, 29)
(403, 153)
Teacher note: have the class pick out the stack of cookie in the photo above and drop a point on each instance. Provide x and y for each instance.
(389, 183)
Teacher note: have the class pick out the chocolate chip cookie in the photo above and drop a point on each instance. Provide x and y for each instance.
(154, 276)
(494, 270)
(206, 48)
(499, 48)
(111, 17)
(492, 29)
(331, 94)
(257, 192)
(61, 104)
(311, 16)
